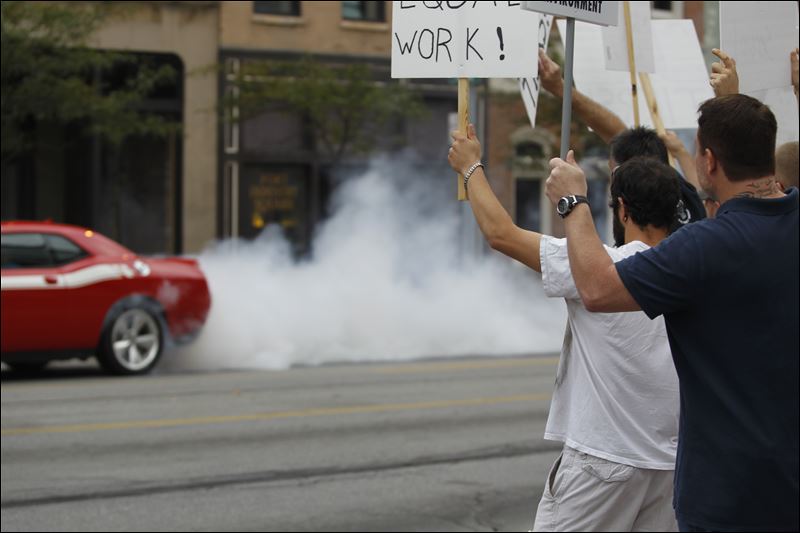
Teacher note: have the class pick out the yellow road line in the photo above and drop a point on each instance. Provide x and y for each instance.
(408, 368)
(327, 411)
(466, 365)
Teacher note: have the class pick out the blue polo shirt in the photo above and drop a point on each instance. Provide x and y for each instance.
(728, 290)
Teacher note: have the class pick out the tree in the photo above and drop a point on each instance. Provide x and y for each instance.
(50, 74)
(344, 105)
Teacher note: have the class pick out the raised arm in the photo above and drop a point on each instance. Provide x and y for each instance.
(794, 59)
(605, 123)
(685, 159)
(593, 270)
(496, 224)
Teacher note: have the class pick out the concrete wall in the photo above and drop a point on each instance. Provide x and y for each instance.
(190, 30)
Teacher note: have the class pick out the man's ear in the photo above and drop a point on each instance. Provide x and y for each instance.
(622, 212)
(711, 161)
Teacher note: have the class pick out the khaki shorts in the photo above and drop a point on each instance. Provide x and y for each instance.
(586, 493)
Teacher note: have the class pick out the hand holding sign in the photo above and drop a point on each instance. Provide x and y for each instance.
(462, 40)
(724, 78)
(550, 75)
(566, 178)
(597, 12)
(465, 150)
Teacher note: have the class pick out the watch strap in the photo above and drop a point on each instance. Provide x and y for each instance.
(572, 201)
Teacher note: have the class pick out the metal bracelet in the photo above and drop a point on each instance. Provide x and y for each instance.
(469, 172)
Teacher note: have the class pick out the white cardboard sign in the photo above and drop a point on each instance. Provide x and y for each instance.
(529, 88)
(783, 104)
(463, 40)
(759, 37)
(615, 41)
(597, 12)
(680, 83)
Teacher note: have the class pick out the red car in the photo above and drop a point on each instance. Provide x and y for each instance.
(70, 292)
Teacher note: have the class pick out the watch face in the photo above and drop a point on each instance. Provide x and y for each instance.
(563, 206)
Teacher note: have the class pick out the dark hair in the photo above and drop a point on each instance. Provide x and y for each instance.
(637, 142)
(740, 132)
(650, 190)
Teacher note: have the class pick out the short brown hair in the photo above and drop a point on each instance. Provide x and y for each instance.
(787, 164)
(740, 132)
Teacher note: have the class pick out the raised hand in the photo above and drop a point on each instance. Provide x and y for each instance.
(673, 143)
(465, 150)
(566, 178)
(724, 78)
(550, 74)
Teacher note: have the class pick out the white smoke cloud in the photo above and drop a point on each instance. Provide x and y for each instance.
(388, 280)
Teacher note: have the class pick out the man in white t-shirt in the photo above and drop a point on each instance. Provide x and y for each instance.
(615, 405)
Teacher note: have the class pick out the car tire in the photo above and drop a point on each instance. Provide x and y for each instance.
(132, 341)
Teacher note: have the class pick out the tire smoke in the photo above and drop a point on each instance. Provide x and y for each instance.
(388, 280)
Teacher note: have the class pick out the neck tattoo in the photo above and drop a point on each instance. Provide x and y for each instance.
(762, 188)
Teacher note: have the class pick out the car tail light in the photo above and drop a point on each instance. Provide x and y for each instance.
(141, 267)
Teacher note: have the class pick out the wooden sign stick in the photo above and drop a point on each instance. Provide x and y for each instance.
(463, 123)
(631, 61)
(652, 105)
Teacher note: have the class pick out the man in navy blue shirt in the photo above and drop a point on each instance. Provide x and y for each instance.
(728, 290)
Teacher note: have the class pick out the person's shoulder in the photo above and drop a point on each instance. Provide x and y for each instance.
(626, 250)
(691, 238)
(700, 229)
(793, 196)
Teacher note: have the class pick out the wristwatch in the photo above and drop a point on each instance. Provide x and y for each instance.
(567, 203)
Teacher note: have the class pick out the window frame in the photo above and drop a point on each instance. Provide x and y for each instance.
(676, 11)
(296, 11)
(381, 20)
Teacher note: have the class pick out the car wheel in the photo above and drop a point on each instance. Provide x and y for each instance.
(132, 342)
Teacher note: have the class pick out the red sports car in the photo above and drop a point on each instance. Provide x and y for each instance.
(70, 292)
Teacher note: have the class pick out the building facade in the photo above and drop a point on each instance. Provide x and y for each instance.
(226, 175)
(271, 167)
(188, 32)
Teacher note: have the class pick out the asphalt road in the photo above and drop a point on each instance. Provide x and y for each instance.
(436, 446)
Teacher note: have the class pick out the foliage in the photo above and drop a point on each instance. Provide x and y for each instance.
(343, 104)
(50, 74)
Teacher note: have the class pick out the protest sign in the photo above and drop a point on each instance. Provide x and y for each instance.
(529, 88)
(463, 40)
(681, 78)
(783, 104)
(604, 13)
(759, 37)
(611, 89)
(680, 82)
(615, 45)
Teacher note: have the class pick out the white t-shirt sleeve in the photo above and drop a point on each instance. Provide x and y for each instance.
(556, 274)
